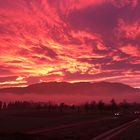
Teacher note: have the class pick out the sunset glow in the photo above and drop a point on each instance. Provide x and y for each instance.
(69, 40)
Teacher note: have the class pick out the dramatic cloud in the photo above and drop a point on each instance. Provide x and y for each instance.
(69, 40)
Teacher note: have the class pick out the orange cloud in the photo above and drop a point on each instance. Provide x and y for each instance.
(130, 50)
(39, 42)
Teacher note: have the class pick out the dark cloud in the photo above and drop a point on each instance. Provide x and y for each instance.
(122, 65)
(9, 78)
(103, 19)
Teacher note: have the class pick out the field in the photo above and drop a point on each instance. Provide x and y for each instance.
(42, 125)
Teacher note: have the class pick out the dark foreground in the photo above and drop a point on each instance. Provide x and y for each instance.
(41, 125)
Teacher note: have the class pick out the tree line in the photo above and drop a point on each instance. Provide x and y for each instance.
(63, 107)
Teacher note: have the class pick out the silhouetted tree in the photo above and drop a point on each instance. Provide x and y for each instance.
(124, 105)
(49, 106)
(113, 105)
(136, 106)
(101, 105)
(0, 105)
(61, 106)
(92, 105)
(4, 105)
(87, 107)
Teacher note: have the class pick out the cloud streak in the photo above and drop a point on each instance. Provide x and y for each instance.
(69, 40)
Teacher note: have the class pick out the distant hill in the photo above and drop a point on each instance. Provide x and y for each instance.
(71, 93)
(100, 88)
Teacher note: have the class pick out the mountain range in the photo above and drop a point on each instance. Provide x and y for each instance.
(71, 92)
(73, 88)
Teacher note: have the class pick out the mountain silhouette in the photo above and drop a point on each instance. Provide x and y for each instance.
(99, 88)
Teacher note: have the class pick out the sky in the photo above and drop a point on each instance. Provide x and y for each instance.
(69, 40)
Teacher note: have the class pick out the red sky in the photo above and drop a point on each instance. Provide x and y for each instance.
(69, 40)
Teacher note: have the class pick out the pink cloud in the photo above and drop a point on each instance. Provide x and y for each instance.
(50, 40)
(130, 50)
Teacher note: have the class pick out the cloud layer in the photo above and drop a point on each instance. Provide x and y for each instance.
(69, 40)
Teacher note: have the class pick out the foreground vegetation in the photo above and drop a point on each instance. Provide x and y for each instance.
(24, 120)
(62, 107)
